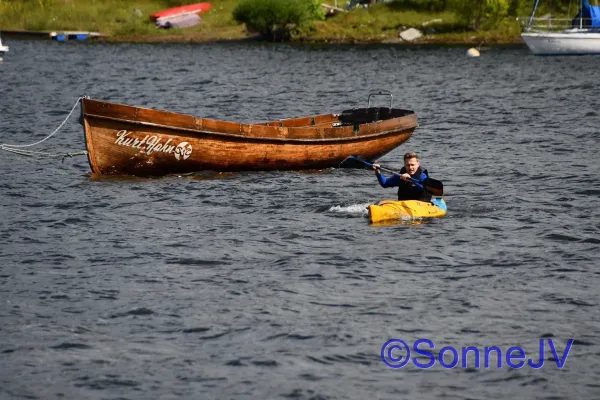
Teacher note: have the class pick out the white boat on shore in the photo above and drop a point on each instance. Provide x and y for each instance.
(564, 36)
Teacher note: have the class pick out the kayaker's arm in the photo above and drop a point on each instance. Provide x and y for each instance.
(396, 179)
(392, 181)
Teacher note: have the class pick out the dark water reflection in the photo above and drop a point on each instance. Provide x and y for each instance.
(274, 285)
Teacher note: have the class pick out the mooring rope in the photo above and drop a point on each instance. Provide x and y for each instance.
(19, 148)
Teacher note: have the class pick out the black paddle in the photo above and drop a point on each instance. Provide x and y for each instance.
(432, 185)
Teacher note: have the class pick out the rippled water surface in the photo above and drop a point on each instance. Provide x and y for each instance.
(275, 285)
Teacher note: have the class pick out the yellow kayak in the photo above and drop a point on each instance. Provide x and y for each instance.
(407, 209)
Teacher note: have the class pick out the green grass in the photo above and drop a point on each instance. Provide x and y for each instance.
(128, 20)
(120, 18)
(376, 23)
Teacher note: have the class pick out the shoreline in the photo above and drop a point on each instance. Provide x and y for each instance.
(423, 41)
(380, 24)
(199, 37)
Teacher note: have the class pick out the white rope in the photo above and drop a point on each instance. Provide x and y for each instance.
(39, 154)
(18, 148)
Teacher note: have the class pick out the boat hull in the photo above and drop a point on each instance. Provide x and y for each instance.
(387, 210)
(562, 43)
(197, 8)
(3, 49)
(126, 140)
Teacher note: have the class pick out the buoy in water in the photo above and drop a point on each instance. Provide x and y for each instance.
(472, 52)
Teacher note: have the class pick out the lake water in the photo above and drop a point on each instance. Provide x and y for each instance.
(275, 285)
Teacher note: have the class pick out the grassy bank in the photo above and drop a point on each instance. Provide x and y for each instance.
(128, 20)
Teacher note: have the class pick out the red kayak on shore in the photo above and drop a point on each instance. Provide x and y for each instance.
(190, 8)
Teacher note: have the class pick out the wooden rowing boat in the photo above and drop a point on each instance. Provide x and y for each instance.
(127, 140)
(387, 210)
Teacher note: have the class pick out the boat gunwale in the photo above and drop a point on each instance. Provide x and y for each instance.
(263, 138)
(562, 35)
(241, 136)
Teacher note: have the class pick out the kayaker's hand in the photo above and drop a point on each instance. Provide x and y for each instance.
(376, 168)
(405, 177)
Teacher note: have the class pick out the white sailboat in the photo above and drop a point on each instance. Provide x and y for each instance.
(3, 49)
(563, 36)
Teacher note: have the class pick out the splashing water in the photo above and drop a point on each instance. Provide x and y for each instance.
(356, 209)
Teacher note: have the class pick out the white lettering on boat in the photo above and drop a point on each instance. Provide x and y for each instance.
(154, 143)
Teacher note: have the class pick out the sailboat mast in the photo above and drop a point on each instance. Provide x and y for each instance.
(532, 14)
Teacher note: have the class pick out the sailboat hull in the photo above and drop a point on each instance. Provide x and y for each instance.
(562, 43)
(3, 49)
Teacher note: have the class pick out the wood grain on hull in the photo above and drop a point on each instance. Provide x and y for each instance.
(137, 141)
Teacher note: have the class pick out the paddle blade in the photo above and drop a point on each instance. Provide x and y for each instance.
(354, 162)
(434, 186)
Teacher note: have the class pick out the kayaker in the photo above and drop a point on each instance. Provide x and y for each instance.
(407, 189)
